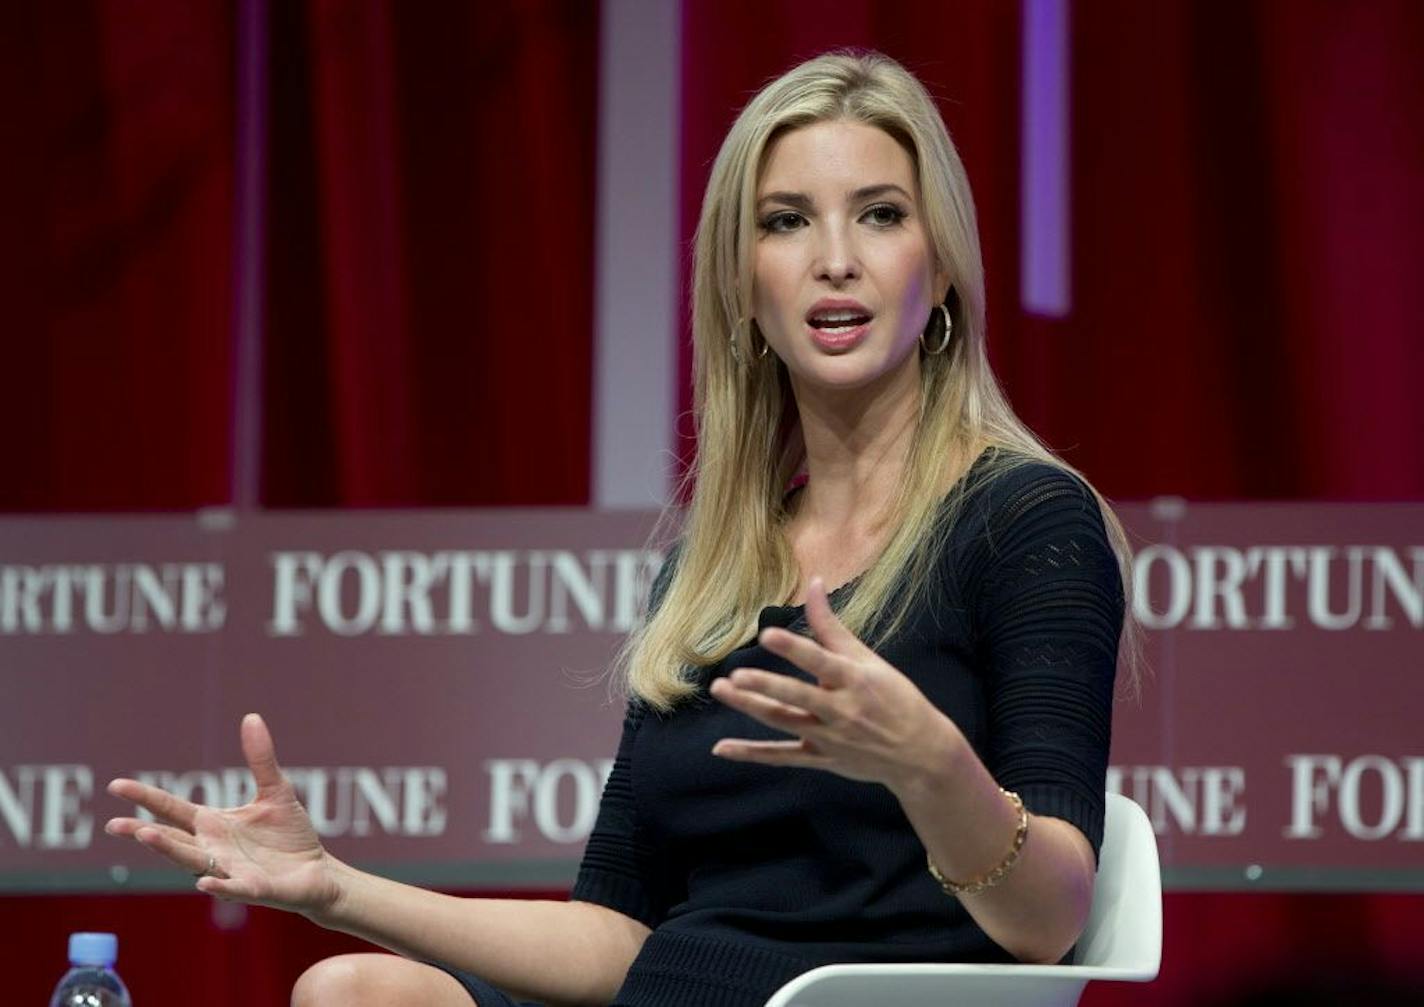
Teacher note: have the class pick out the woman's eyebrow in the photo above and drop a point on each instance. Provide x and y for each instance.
(801, 201)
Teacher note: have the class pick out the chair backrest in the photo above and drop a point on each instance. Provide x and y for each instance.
(1124, 930)
(1122, 940)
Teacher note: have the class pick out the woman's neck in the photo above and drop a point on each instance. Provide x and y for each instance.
(857, 445)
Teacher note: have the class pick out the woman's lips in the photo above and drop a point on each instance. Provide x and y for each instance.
(838, 340)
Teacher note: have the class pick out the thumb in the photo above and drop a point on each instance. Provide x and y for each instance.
(261, 755)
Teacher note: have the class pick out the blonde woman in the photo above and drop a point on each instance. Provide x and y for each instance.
(907, 767)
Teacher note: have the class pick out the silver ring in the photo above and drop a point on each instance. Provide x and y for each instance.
(210, 870)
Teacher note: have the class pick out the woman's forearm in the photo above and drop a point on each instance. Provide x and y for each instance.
(1038, 910)
(513, 943)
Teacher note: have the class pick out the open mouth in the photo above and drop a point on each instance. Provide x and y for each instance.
(835, 323)
(838, 324)
(839, 335)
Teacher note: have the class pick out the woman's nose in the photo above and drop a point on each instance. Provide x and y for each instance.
(836, 258)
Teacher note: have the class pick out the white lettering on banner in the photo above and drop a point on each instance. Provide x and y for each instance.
(403, 592)
(1207, 587)
(561, 796)
(368, 579)
(1195, 800)
(112, 598)
(41, 806)
(1322, 782)
(341, 801)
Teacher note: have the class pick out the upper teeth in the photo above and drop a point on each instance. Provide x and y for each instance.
(838, 316)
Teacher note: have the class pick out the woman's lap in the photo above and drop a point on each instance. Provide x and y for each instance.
(482, 992)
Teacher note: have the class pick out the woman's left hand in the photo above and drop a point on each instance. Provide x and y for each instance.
(862, 718)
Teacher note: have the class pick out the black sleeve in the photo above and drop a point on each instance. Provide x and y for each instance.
(1048, 612)
(618, 868)
(614, 871)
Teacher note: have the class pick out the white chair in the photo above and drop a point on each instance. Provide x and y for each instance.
(1122, 940)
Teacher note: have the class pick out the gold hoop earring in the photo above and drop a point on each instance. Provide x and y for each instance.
(756, 331)
(939, 328)
(751, 338)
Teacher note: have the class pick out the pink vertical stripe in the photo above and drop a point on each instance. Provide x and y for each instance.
(249, 206)
(1046, 273)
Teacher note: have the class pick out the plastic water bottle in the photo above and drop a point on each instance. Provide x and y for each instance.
(91, 980)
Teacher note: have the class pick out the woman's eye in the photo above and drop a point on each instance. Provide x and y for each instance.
(885, 214)
(784, 221)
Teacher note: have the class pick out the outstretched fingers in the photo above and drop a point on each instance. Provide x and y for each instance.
(750, 691)
(172, 843)
(129, 828)
(261, 754)
(224, 888)
(159, 803)
(826, 667)
(798, 752)
(827, 626)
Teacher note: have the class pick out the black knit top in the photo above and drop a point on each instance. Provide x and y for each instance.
(749, 875)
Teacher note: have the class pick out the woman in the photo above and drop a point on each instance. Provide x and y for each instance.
(804, 777)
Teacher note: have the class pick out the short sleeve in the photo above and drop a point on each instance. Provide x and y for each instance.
(616, 861)
(1048, 612)
(617, 870)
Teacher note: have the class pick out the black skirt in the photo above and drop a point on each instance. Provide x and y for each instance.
(482, 992)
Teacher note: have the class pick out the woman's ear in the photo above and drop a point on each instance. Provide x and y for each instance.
(943, 281)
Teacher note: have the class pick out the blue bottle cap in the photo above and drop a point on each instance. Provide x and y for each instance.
(93, 949)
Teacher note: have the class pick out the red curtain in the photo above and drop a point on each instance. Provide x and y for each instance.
(1247, 219)
(1248, 216)
(429, 245)
(1248, 207)
(117, 188)
(430, 282)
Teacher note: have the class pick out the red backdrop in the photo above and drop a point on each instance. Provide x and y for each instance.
(1248, 216)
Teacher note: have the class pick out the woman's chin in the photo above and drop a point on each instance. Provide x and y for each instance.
(849, 372)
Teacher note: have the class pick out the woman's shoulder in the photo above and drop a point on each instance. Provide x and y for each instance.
(1005, 483)
(1028, 515)
(1020, 503)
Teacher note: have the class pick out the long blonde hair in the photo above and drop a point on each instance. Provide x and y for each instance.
(733, 557)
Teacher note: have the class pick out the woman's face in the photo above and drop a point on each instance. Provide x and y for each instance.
(844, 278)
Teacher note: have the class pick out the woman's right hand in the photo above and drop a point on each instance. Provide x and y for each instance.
(266, 852)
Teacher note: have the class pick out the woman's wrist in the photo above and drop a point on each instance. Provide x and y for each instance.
(942, 761)
(338, 881)
(991, 878)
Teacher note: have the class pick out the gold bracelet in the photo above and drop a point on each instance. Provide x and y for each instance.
(1000, 872)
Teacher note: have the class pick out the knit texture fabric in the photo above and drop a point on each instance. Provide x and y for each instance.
(749, 875)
